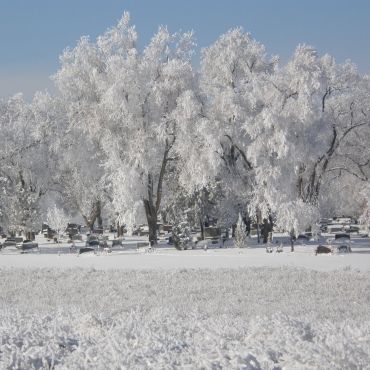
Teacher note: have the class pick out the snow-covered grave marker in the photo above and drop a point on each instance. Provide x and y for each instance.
(279, 248)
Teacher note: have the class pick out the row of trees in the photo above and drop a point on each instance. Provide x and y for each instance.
(136, 134)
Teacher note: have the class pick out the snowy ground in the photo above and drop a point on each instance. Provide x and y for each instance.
(166, 257)
(256, 318)
(185, 309)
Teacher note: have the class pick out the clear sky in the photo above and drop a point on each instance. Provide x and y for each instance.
(33, 33)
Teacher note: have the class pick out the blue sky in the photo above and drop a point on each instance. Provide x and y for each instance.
(33, 33)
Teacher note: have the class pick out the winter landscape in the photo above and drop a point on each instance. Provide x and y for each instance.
(164, 206)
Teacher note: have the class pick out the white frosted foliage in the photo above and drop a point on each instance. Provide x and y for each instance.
(57, 219)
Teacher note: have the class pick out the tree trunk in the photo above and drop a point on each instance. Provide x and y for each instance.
(98, 214)
(152, 207)
(151, 216)
(89, 222)
(201, 228)
(95, 214)
(119, 230)
(258, 219)
(151, 212)
(30, 235)
(292, 239)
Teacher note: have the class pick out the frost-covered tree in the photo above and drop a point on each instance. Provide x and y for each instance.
(127, 97)
(81, 176)
(149, 130)
(312, 110)
(80, 180)
(57, 219)
(232, 69)
(140, 130)
(25, 161)
(342, 194)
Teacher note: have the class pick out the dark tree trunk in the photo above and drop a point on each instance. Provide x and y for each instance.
(119, 230)
(98, 214)
(164, 218)
(258, 218)
(201, 228)
(152, 206)
(30, 235)
(271, 221)
(292, 239)
(151, 216)
(95, 215)
(233, 229)
(153, 232)
(258, 233)
(151, 212)
(89, 223)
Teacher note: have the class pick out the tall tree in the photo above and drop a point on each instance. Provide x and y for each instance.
(313, 108)
(232, 69)
(24, 161)
(127, 98)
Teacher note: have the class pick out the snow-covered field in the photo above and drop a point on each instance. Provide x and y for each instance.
(167, 257)
(185, 309)
(255, 318)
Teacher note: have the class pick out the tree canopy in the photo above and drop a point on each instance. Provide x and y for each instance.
(141, 134)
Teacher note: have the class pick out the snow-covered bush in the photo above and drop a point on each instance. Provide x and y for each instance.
(57, 219)
(181, 234)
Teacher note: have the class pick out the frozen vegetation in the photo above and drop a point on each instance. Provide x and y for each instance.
(139, 135)
(257, 318)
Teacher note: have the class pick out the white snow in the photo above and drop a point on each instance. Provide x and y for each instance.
(172, 259)
(256, 318)
(185, 309)
(166, 257)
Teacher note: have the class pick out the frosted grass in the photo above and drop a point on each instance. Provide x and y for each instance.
(256, 318)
